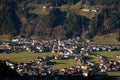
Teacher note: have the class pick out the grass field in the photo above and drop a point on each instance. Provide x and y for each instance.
(5, 37)
(38, 9)
(110, 55)
(107, 39)
(27, 56)
(24, 56)
(114, 75)
(117, 74)
(64, 63)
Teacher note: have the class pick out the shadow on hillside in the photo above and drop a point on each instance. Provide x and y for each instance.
(8, 74)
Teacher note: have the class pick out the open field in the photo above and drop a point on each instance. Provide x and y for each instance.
(24, 56)
(27, 56)
(37, 9)
(4, 37)
(114, 75)
(107, 39)
(109, 55)
(64, 63)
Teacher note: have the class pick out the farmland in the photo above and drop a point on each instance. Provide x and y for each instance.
(27, 56)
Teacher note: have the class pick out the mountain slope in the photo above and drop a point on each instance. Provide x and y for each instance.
(55, 18)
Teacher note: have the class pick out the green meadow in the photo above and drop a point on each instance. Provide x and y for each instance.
(27, 56)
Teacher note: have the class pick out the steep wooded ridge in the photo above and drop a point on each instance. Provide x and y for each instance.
(18, 17)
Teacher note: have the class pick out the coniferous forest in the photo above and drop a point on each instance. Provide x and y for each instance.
(16, 18)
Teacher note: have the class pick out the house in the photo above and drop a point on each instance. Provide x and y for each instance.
(85, 10)
(5, 51)
(47, 7)
(94, 10)
(89, 10)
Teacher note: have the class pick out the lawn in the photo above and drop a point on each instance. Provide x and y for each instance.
(114, 75)
(117, 74)
(107, 39)
(38, 9)
(64, 63)
(5, 37)
(23, 56)
(27, 56)
(64, 7)
(110, 55)
(76, 8)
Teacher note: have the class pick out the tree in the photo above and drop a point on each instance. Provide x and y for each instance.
(108, 20)
(59, 32)
(8, 27)
(55, 18)
(9, 20)
(75, 24)
(118, 38)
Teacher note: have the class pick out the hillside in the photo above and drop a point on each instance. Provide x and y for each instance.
(76, 8)
(107, 39)
(49, 19)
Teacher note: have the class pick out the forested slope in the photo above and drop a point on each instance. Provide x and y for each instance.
(17, 17)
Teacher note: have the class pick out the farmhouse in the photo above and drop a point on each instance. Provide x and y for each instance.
(47, 7)
(89, 10)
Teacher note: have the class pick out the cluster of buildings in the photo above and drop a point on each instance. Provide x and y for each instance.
(41, 66)
(70, 48)
(88, 10)
(106, 65)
